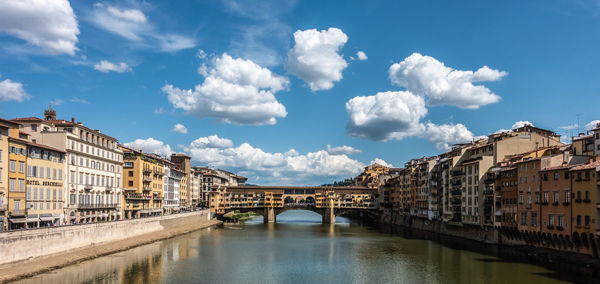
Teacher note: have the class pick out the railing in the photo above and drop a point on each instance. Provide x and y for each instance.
(88, 187)
(146, 179)
(555, 203)
(137, 196)
(550, 227)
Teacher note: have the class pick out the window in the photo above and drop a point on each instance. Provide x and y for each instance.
(21, 185)
(566, 175)
(534, 219)
(521, 198)
(41, 194)
(556, 198)
(60, 177)
(579, 220)
(48, 194)
(587, 221)
(53, 173)
(561, 221)
(130, 173)
(28, 193)
(587, 195)
(35, 193)
(41, 172)
(13, 166)
(550, 220)
(555, 176)
(524, 218)
(28, 171)
(48, 173)
(34, 171)
(567, 196)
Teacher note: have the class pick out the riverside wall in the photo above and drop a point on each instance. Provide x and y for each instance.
(27, 244)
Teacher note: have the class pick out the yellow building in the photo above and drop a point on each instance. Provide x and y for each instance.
(142, 184)
(584, 209)
(5, 127)
(45, 185)
(17, 159)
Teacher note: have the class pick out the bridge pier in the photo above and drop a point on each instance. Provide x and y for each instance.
(329, 216)
(269, 216)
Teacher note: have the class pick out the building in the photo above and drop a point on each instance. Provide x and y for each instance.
(555, 210)
(45, 185)
(583, 145)
(596, 133)
(370, 176)
(142, 184)
(5, 130)
(195, 187)
(172, 186)
(585, 183)
(424, 200)
(93, 166)
(184, 163)
(17, 211)
(507, 186)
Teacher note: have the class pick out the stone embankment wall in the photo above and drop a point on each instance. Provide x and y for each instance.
(26, 244)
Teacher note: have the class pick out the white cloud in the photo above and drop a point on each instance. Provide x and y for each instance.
(106, 66)
(150, 145)
(79, 100)
(381, 162)
(385, 115)
(520, 124)
(396, 115)
(342, 150)
(57, 102)
(289, 168)
(442, 85)
(593, 124)
(12, 91)
(159, 110)
(315, 58)
(132, 24)
(446, 135)
(180, 128)
(212, 141)
(51, 25)
(201, 54)
(234, 91)
(569, 127)
(361, 55)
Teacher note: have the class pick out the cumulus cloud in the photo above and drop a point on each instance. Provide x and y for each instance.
(592, 125)
(234, 91)
(107, 66)
(180, 128)
(12, 91)
(212, 141)
(50, 25)
(361, 55)
(381, 162)
(446, 135)
(396, 115)
(150, 145)
(132, 24)
(342, 150)
(315, 58)
(442, 85)
(272, 168)
(520, 124)
(385, 115)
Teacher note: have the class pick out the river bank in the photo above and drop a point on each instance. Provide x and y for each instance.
(568, 266)
(21, 269)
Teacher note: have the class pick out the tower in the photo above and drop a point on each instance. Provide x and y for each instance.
(50, 114)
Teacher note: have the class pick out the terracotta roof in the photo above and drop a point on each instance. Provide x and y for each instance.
(561, 167)
(587, 166)
(31, 118)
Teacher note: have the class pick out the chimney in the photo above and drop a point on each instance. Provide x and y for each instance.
(72, 119)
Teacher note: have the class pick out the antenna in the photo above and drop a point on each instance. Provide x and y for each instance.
(578, 124)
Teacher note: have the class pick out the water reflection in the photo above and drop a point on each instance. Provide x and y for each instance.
(297, 249)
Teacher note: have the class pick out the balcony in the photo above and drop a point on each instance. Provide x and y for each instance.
(560, 228)
(147, 179)
(456, 192)
(147, 170)
(157, 172)
(555, 203)
(137, 196)
(550, 227)
(456, 183)
(146, 188)
(98, 206)
(488, 192)
(587, 200)
(578, 200)
(566, 203)
(88, 187)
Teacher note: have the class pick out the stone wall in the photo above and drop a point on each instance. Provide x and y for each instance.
(25, 244)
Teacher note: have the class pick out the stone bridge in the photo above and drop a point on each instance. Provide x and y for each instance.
(270, 201)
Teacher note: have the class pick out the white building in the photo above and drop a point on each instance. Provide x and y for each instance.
(93, 169)
(171, 184)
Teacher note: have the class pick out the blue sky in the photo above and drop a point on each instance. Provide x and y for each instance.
(263, 87)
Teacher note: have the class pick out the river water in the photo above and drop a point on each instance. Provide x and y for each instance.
(297, 249)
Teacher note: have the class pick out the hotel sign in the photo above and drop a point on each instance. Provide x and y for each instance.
(43, 183)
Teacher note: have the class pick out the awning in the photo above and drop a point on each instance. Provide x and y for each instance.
(47, 219)
(24, 220)
(104, 215)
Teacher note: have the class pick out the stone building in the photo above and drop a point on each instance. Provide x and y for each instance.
(142, 184)
(93, 166)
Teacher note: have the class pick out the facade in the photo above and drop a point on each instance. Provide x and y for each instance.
(172, 186)
(583, 145)
(585, 183)
(45, 185)
(142, 184)
(183, 163)
(93, 166)
(507, 186)
(5, 130)
(529, 190)
(556, 200)
(17, 211)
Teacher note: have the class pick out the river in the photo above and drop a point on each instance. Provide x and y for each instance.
(297, 249)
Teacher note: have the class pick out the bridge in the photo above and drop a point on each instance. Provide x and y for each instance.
(270, 201)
